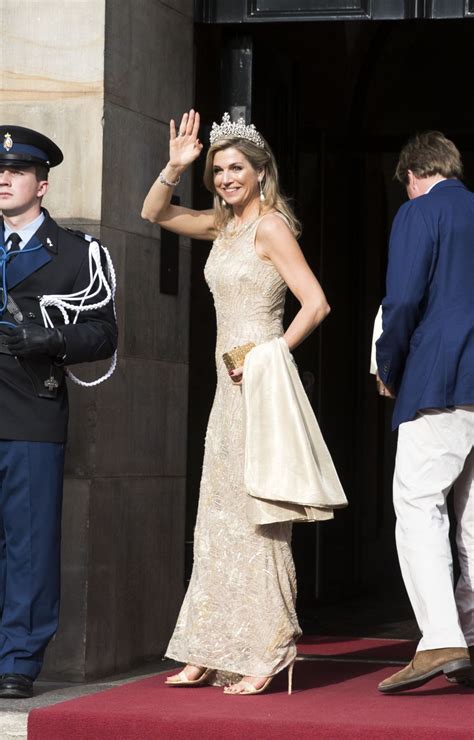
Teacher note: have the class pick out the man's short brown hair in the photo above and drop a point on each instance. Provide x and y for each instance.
(42, 172)
(428, 154)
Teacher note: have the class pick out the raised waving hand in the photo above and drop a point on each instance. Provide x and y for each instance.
(185, 146)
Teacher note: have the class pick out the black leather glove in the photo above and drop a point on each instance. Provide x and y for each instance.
(31, 339)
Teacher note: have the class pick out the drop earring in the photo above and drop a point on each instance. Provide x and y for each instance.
(224, 204)
(262, 194)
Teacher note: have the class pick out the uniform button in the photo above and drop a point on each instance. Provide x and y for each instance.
(30, 315)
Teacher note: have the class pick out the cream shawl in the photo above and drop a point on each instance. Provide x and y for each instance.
(289, 474)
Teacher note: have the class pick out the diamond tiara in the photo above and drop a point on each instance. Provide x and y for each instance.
(235, 130)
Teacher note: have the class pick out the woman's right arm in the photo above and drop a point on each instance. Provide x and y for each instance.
(185, 148)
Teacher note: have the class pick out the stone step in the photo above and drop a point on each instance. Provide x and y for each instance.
(13, 725)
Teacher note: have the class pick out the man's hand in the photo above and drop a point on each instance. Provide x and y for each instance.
(30, 340)
(382, 389)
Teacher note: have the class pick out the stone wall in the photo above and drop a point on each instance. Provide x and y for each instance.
(102, 78)
(52, 79)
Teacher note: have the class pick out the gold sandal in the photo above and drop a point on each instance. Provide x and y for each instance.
(181, 679)
(250, 690)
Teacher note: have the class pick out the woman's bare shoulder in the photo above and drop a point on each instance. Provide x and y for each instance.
(273, 224)
(274, 237)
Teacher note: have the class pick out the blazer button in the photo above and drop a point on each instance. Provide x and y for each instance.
(30, 315)
(385, 368)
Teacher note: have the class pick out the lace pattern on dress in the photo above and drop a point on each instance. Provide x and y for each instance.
(238, 615)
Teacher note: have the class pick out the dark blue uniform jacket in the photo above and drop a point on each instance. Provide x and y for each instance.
(59, 266)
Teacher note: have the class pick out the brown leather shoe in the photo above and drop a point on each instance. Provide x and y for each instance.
(427, 664)
(467, 678)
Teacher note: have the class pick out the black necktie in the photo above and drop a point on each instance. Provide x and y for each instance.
(14, 241)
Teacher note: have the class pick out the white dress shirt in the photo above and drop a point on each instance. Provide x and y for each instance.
(26, 232)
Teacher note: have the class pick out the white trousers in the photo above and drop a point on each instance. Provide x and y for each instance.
(435, 451)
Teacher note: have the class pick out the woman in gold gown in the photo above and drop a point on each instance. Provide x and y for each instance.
(237, 625)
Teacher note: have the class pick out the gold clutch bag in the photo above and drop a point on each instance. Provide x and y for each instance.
(236, 356)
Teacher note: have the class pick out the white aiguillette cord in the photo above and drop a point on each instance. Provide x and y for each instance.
(75, 302)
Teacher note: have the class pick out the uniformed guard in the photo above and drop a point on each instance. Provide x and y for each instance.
(37, 259)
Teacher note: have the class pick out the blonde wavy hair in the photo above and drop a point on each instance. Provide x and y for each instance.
(260, 158)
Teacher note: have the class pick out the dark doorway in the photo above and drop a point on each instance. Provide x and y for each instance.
(336, 101)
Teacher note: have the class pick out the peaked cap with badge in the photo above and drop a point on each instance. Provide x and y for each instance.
(25, 147)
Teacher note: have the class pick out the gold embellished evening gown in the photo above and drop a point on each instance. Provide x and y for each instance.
(238, 615)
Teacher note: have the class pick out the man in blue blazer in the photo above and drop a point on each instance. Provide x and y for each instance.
(425, 359)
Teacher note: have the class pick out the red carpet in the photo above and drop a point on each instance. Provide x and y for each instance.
(332, 700)
(357, 648)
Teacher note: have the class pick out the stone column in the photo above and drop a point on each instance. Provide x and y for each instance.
(102, 78)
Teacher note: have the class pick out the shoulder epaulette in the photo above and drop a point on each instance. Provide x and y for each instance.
(83, 235)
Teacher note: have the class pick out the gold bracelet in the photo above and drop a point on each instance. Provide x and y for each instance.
(163, 179)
